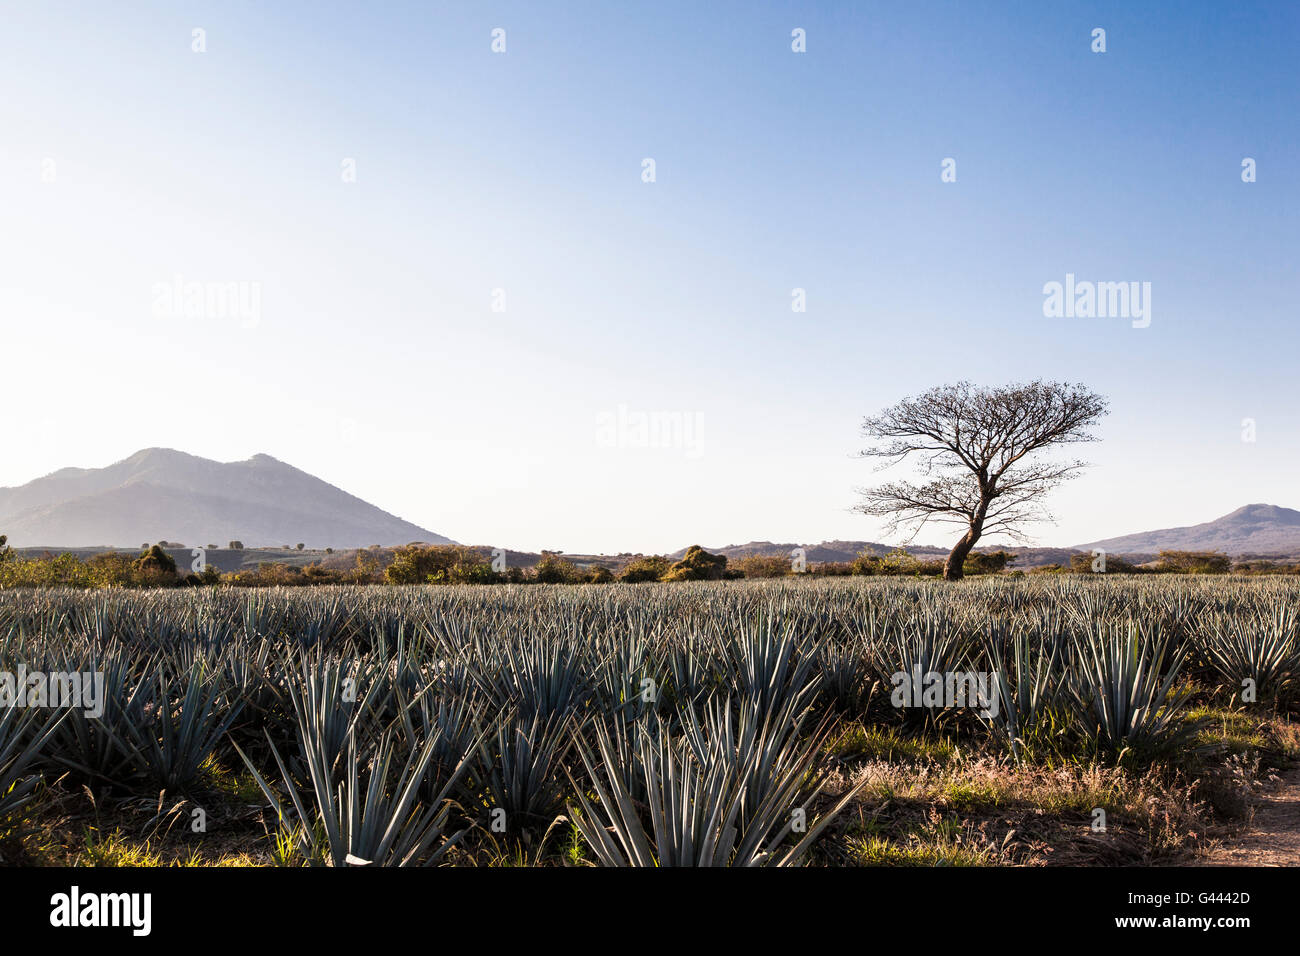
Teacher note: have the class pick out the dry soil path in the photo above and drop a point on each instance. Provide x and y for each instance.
(1273, 838)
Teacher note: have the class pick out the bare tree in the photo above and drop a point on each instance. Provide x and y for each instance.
(974, 448)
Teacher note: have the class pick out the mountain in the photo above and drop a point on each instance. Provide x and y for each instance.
(161, 494)
(1257, 530)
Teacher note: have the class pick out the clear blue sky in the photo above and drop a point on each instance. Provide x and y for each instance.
(377, 362)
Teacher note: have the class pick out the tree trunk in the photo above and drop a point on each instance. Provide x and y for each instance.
(952, 568)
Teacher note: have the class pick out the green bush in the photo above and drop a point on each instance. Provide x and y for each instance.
(698, 565)
(154, 565)
(987, 562)
(439, 564)
(1194, 562)
(867, 564)
(553, 569)
(1082, 564)
(651, 568)
(764, 566)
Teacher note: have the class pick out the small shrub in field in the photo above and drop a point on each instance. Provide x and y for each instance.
(987, 562)
(1194, 562)
(763, 566)
(1083, 564)
(867, 564)
(698, 565)
(553, 569)
(651, 568)
(154, 567)
(439, 564)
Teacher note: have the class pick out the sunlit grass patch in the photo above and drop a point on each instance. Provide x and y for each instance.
(972, 795)
(863, 742)
(938, 843)
(240, 787)
(114, 850)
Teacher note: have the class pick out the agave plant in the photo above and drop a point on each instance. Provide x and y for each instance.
(23, 732)
(371, 815)
(846, 673)
(630, 664)
(173, 727)
(334, 699)
(767, 662)
(451, 726)
(1026, 687)
(691, 662)
(521, 764)
(102, 748)
(699, 809)
(740, 733)
(1125, 688)
(926, 642)
(256, 673)
(1260, 646)
(541, 675)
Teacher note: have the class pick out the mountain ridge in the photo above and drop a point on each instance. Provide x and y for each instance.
(165, 494)
(1254, 529)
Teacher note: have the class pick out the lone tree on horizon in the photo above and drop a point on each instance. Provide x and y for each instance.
(973, 446)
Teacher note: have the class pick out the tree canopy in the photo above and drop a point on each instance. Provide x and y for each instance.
(977, 450)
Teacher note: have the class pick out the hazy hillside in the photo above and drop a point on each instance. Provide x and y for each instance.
(161, 494)
(1251, 530)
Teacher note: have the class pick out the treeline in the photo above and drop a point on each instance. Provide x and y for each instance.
(458, 564)
(153, 568)
(898, 562)
(445, 564)
(1173, 562)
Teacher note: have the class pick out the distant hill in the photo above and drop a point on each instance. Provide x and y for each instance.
(162, 494)
(1254, 530)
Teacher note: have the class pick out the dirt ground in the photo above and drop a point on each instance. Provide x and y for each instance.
(1272, 838)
